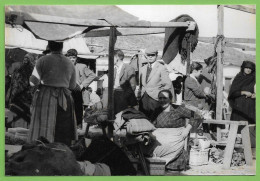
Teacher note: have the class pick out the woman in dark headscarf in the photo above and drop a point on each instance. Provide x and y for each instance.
(242, 95)
(19, 95)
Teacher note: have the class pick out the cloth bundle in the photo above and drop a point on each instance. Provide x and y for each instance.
(19, 133)
(176, 40)
(94, 117)
(97, 169)
(133, 125)
(133, 121)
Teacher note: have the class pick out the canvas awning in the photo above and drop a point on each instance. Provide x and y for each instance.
(54, 26)
(21, 38)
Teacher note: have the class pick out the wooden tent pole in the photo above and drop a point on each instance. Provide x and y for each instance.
(112, 41)
(220, 68)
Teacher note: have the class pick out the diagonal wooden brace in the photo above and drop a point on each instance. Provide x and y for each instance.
(247, 145)
(230, 146)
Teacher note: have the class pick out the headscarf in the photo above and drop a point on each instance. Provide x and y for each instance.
(31, 58)
(248, 64)
(243, 82)
(20, 80)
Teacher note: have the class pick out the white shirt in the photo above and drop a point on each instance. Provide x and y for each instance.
(94, 98)
(118, 70)
(192, 76)
(105, 81)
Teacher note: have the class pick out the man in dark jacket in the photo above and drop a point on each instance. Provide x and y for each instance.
(84, 77)
(124, 84)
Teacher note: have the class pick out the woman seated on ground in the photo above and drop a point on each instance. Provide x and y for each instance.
(169, 138)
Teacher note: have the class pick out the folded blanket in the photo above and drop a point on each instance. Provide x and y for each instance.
(132, 113)
(18, 130)
(137, 126)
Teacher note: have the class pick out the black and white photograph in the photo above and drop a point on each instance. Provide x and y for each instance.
(130, 90)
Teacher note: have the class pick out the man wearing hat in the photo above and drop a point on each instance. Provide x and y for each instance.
(84, 77)
(154, 77)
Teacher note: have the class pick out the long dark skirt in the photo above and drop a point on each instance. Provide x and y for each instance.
(53, 115)
(78, 102)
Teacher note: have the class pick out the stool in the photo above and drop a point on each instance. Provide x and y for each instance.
(103, 127)
(230, 145)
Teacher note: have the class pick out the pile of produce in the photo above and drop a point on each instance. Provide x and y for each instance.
(217, 156)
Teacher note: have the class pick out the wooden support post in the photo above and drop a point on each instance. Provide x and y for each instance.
(220, 68)
(247, 145)
(112, 41)
(230, 146)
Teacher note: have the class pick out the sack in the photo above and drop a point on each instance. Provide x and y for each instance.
(180, 163)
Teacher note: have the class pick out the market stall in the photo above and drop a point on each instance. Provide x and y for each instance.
(47, 28)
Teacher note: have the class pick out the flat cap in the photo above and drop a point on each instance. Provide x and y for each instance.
(151, 50)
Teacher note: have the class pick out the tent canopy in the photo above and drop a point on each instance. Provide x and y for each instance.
(22, 38)
(59, 23)
(108, 13)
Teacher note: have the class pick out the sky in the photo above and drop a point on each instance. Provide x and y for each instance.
(237, 24)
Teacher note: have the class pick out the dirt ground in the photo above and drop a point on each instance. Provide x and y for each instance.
(217, 169)
(210, 169)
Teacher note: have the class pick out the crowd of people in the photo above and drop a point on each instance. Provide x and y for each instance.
(57, 92)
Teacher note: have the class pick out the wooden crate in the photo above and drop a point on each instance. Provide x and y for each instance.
(156, 166)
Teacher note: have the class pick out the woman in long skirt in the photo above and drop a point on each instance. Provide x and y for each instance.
(52, 110)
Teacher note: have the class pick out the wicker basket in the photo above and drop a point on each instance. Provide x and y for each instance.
(199, 157)
(156, 166)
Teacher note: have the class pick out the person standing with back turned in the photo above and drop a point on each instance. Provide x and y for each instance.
(52, 109)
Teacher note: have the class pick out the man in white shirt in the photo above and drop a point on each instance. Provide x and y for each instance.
(94, 98)
(124, 85)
